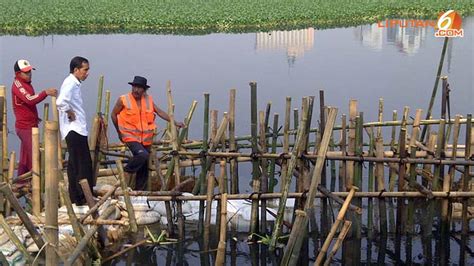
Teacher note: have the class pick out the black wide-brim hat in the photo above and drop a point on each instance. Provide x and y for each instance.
(140, 82)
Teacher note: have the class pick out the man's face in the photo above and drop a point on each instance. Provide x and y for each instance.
(82, 72)
(26, 76)
(137, 91)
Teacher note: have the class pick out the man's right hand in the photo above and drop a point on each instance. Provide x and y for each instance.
(51, 92)
(71, 115)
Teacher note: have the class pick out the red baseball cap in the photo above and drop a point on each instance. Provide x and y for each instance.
(23, 66)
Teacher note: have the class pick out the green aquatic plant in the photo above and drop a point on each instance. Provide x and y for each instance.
(198, 17)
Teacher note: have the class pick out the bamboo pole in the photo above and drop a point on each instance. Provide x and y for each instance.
(200, 186)
(51, 191)
(99, 203)
(91, 203)
(55, 112)
(295, 241)
(388, 194)
(272, 181)
(76, 226)
(107, 107)
(446, 209)
(351, 142)
(100, 89)
(175, 145)
(234, 187)
(339, 219)
(435, 87)
(15, 240)
(207, 223)
(83, 243)
(36, 182)
(379, 173)
(342, 235)
(330, 195)
(11, 170)
(2, 133)
(264, 174)
(343, 164)
(286, 184)
(359, 120)
(256, 179)
(8, 193)
(126, 196)
(220, 259)
(465, 187)
(371, 187)
(42, 151)
(325, 222)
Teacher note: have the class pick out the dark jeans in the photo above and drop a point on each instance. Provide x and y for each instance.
(138, 164)
(79, 166)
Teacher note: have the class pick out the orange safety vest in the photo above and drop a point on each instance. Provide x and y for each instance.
(137, 124)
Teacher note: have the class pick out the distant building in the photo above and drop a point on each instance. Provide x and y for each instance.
(295, 42)
(407, 39)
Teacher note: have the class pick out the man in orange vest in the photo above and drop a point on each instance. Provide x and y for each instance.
(134, 119)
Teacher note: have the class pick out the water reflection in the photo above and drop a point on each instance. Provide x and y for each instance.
(294, 42)
(408, 40)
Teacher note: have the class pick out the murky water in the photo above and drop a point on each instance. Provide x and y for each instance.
(363, 63)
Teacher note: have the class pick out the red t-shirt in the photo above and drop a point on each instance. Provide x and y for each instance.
(24, 102)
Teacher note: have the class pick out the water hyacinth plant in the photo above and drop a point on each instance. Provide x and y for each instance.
(40, 17)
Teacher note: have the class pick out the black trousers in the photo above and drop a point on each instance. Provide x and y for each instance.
(79, 166)
(138, 164)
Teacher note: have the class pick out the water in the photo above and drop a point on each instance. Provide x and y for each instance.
(363, 63)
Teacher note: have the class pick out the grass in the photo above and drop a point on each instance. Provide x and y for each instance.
(40, 17)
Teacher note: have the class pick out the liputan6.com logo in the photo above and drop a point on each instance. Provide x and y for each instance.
(449, 25)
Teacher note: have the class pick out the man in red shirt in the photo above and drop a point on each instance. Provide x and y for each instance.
(24, 102)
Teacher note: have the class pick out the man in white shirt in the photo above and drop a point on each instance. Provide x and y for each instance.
(73, 127)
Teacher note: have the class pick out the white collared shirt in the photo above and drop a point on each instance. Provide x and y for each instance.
(70, 97)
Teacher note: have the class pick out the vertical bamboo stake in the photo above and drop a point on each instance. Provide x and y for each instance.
(234, 174)
(295, 241)
(286, 140)
(100, 89)
(2, 132)
(200, 186)
(272, 181)
(295, 120)
(359, 121)
(296, 154)
(264, 173)
(255, 167)
(126, 197)
(107, 107)
(11, 170)
(60, 151)
(207, 223)
(36, 181)
(351, 143)
(435, 87)
(379, 172)
(401, 173)
(51, 191)
(174, 142)
(340, 218)
(220, 259)
(42, 155)
(447, 182)
(324, 214)
(412, 170)
(370, 213)
(465, 186)
(392, 176)
(342, 169)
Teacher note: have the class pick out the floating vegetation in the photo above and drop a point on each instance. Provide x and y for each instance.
(198, 17)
